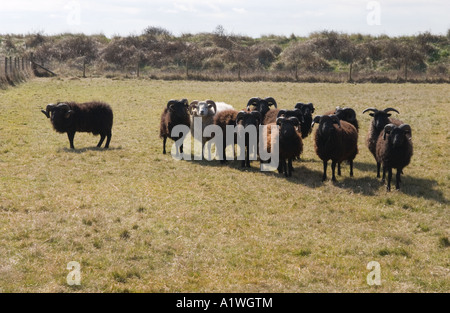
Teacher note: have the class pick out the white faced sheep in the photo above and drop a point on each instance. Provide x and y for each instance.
(206, 110)
(335, 140)
(394, 150)
(380, 119)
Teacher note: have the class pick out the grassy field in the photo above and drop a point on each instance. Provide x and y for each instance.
(139, 221)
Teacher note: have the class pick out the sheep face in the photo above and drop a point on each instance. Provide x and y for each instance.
(61, 117)
(248, 118)
(262, 105)
(307, 109)
(288, 126)
(327, 124)
(202, 108)
(398, 135)
(177, 108)
(380, 118)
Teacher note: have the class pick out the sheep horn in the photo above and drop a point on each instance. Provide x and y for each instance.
(192, 105)
(240, 116)
(391, 109)
(406, 128)
(295, 120)
(253, 101)
(279, 120)
(271, 101)
(316, 120)
(370, 109)
(171, 102)
(212, 104)
(387, 130)
(49, 109)
(281, 112)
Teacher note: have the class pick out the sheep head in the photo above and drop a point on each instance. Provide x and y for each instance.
(178, 107)
(49, 109)
(306, 108)
(397, 134)
(326, 123)
(288, 126)
(380, 117)
(246, 118)
(262, 105)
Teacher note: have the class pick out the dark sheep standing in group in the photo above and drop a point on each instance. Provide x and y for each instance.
(380, 119)
(394, 150)
(175, 113)
(307, 110)
(290, 142)
(91, 117)
(234, 118)
(335, 140)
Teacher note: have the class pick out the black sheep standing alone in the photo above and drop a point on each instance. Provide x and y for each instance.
(91, 117)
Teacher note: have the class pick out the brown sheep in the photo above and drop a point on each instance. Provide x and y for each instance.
(394, 150)
(335, 140)
(175, 113)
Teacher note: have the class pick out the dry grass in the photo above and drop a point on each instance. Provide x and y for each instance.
(139, 221)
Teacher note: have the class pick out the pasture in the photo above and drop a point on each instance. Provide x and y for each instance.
(139, 221)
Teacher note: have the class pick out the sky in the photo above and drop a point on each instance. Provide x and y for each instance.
(253, 18)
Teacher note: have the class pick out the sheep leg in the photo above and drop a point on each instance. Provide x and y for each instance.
(290, 168)
(384, 175)
(351, 168)
(71, 136)
(102, 138)
(388, 187)
(164, 144)
(339, 169)
(284, 167)
(398, 179)
(333, 169)
(378, 169)
(108, 140)
(324, 177)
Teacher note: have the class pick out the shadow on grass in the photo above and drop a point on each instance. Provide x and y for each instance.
(83, 150)
(422, 188)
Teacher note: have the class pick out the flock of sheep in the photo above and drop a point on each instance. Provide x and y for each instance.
(335, 139)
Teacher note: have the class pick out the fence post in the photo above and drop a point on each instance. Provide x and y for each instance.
(6, 66)
(10, 65)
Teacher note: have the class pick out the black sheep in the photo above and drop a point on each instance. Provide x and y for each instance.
(175, 113)
(290, 142)
(235, 118)
(335, 140)
(394, 150)
(307, 111)
(71, 117)
(380, 119)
